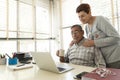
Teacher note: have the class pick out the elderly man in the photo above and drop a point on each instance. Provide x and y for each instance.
(80, 55)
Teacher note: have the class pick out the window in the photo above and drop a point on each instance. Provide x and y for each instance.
(3, 18)
(69, 18)
(18, 20)
(8, 25)
(25, 17)
(42, 29)
(117, 15)
(42, 21)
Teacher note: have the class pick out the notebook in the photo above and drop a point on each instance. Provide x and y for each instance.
(20, 66)
(45, 61)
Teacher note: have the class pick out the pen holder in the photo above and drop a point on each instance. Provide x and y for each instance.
(2, 61)
(12, 61)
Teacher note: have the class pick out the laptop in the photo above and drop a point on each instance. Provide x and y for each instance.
(45, 61)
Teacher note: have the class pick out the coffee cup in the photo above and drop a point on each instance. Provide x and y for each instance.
(61, 52)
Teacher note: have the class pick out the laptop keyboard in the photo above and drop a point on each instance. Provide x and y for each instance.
(61, 69)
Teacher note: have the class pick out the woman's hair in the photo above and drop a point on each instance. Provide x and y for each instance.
(83, 7)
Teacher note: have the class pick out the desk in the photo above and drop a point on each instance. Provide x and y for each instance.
(36, 74)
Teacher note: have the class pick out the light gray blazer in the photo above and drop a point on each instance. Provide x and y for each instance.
(106, 38)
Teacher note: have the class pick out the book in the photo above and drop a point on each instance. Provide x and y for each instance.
(109, 74)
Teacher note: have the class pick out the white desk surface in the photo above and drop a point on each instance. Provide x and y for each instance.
(35, 73)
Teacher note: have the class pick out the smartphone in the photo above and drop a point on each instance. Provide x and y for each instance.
(79, 76)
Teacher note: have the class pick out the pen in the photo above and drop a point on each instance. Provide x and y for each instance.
(20, 65)
(8, 55)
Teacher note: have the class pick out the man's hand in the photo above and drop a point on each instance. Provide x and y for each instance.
(61, 57)
(88, 43)
(57, 53)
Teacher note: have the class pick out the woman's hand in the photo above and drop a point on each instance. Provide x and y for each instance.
(88, 43)
(72, 42)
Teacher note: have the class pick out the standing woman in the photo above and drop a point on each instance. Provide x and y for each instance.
(101, 34)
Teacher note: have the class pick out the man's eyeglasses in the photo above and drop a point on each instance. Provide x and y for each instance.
(75, 32)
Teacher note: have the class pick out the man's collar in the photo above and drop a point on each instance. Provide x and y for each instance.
(81, 42)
